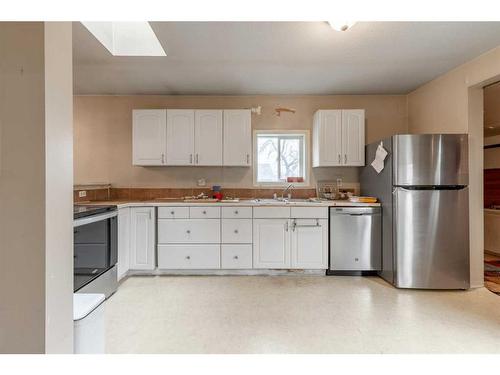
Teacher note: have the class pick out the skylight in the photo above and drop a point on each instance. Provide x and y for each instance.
(127, 38)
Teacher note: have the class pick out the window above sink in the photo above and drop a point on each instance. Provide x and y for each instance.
(281, 156)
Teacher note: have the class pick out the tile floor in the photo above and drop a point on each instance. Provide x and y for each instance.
(296, 314)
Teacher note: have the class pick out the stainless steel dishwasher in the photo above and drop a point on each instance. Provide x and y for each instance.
(355, 239)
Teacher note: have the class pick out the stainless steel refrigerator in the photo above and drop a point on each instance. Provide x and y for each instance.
(425, 209)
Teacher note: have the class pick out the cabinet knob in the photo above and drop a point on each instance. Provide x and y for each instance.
(204, 212)
(172, 212)
(188, 231)
(235, 257)
(356, 259)
(236, 231)
(188, 257)
(236, 212)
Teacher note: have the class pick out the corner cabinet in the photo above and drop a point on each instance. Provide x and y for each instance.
(142, 238)
(339, 138)
(149, 140)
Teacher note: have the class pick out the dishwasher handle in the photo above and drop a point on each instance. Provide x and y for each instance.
(355, 211)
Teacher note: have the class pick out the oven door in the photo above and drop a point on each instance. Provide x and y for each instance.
(95, 247)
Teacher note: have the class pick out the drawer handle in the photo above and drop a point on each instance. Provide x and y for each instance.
(236, 212)
(188, 231)
(188, 257)
(204, 212)
(235, 257)
(236, 231)
(172, 212)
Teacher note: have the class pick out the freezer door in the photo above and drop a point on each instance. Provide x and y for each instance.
(431, 229)
(430, 159)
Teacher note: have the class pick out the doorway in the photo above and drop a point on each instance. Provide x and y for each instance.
(491, 122)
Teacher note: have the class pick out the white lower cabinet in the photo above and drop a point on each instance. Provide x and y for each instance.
(189, 231)
(142, 238)
(309, 244)
(236, 231)
(290, 243)
(236, 256)
(271, 243)
(189, 256)
(123, 242)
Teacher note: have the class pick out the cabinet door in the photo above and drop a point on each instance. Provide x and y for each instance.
(271, 243)
(237, 137)
(327, 142)
(353, 137)
(208, 137)
(123, 241)
(309, 244)
(142, 238)
(180, 137)
(149, 136)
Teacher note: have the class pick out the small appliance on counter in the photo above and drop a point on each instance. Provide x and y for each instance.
(95, 231)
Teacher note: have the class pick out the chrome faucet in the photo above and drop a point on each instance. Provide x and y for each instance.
(288, 188)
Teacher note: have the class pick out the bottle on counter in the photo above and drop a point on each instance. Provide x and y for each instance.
(217, 194)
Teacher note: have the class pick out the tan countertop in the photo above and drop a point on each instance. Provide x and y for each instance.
(242, 202)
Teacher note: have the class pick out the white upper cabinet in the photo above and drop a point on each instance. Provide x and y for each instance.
(353, 137)
(180, 137)
(237, 138)
(149, 136)
(208, 137)
(339, 138)
(327, 138)
(192, 137)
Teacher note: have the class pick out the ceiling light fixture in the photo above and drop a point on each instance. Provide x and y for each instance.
(341, 26)
(126, 38)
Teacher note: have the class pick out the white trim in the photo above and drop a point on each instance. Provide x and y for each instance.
(307, 166)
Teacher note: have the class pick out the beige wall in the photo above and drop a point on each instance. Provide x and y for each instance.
(22, 188)
(454, 103)
(103, 135)
(36, 247)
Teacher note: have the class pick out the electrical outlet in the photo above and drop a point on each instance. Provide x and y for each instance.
(339, 182)
(201, 182)
(82, 194)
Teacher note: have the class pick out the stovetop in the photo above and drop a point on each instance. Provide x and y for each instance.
(80, 211)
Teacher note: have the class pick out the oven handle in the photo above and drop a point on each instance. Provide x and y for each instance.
(93, 219)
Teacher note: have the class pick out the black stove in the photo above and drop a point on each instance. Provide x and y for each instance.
(80, 211)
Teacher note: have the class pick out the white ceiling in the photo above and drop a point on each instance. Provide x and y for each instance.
(236, 58)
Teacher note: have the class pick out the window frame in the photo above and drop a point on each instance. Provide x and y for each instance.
(281, 132)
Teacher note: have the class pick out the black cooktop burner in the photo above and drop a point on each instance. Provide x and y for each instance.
(80, 211)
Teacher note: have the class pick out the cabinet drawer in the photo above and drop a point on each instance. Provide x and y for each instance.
(173, 212)
(188, 231)
(188, 256)
(236, 212)
(237, 231)
(204, 212)
(271, 212)
(309, 212)
(236, 257)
